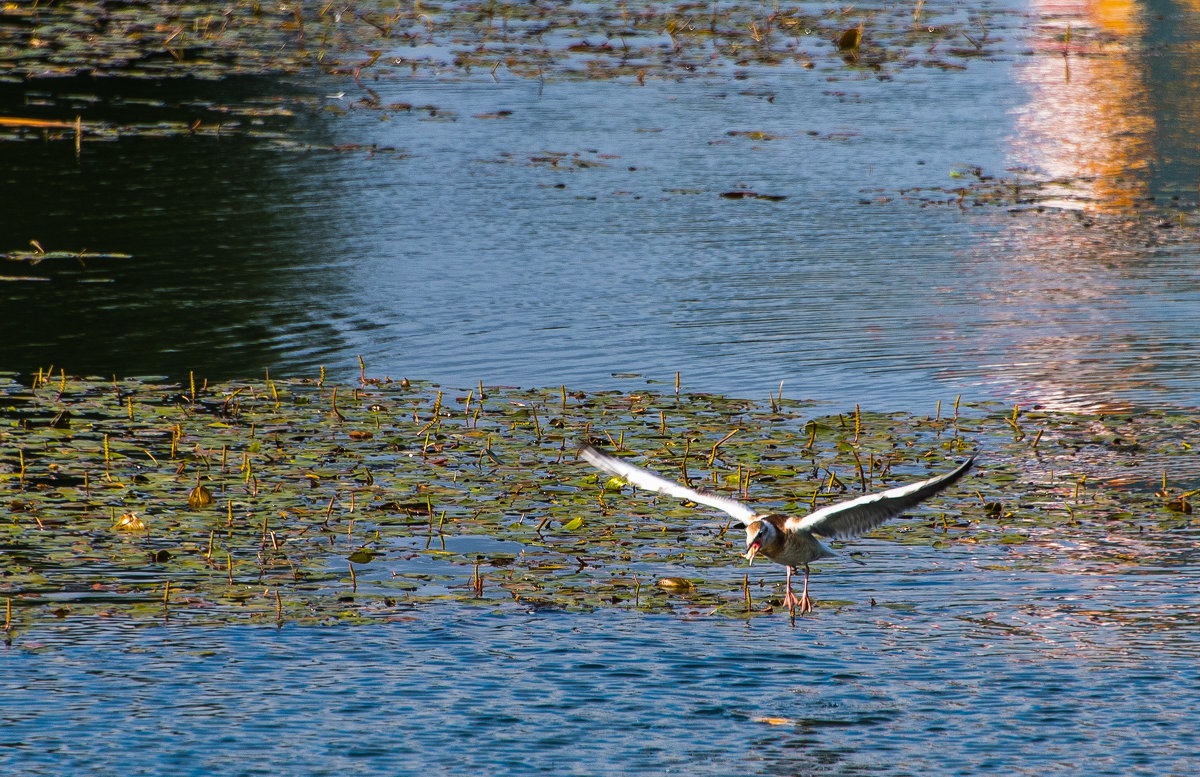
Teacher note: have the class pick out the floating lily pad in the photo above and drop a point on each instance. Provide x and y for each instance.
(405, 497)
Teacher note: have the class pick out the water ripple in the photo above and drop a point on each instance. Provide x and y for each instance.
(1039, 689)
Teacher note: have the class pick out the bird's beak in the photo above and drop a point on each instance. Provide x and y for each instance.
(751, 553)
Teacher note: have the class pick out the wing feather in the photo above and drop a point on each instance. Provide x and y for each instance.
(645, 479)
(849, 519)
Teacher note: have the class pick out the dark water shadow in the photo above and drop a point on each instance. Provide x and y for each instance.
(227, 263)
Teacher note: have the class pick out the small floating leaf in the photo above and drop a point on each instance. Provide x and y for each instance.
(573, 524)
(362, 556)
(679, 585)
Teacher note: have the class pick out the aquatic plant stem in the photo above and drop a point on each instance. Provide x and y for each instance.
(713, 455)
(337, 414)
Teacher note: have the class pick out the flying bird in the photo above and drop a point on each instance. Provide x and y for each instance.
(792, 541)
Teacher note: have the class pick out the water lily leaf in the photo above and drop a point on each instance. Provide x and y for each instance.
(614, 484)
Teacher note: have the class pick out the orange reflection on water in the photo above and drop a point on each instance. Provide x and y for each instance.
(1088, 123)
(1090, 127)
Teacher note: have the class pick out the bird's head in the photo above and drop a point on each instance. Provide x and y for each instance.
(758, 534)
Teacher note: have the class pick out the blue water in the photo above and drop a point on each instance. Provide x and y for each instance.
(583, 236)
(1048, 658)
(457, 689)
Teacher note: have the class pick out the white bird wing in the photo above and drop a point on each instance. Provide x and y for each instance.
(642, 478)
(849, 519)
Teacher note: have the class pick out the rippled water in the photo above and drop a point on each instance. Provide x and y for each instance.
(961, 669)
(583, 234)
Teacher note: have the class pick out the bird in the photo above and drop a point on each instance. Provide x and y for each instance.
(793, 541)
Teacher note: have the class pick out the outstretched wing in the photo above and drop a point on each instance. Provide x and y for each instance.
(642, 478)
(849, 519)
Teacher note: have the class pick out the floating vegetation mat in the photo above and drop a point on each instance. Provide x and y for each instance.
(303, 501)
(1150, 220)
(154, 40)
(589, 39)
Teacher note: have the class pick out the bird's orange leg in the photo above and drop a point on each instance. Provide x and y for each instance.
(789, 599)
(806, 604)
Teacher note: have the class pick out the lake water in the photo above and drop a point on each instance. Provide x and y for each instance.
(967, 670)
(578, 238)
(576, 231)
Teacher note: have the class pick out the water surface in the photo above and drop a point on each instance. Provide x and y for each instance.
(539, 232)
(959, 670)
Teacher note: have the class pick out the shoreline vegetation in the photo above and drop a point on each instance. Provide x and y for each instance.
(310, 501)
